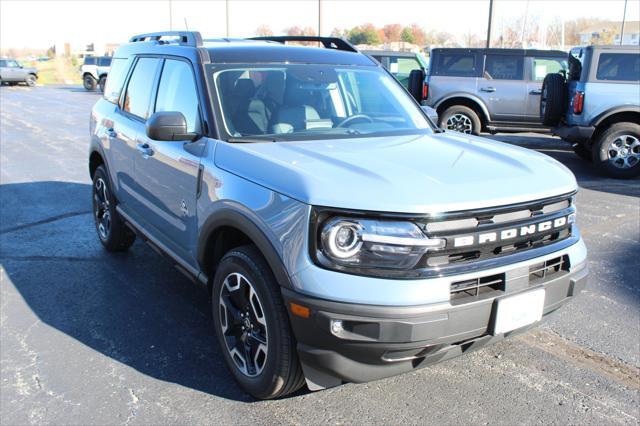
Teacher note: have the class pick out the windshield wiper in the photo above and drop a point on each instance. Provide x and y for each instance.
(251, 140)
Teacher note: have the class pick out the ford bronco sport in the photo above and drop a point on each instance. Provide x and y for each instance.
(342, 236)
(596, 106)
(492, 90)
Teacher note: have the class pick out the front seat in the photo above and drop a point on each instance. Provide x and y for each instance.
(295, 111)
(249, 115)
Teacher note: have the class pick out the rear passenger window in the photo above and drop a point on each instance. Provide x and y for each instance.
(544, 66)
(138, 96)
(456, 65)
(115, 79)
(619, 66)
(177, 92)
(90, 60)
(104, 62)
(504, 67)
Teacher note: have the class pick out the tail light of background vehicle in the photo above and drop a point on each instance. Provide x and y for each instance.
(425, 90)
(578, 102)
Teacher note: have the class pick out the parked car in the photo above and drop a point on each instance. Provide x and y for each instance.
(597, 107)
(399, 64)
(94, 71)
(11, 72)
(342, 236)
(492, 90)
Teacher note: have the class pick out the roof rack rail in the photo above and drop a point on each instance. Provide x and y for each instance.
(328, 42)
(184, 38)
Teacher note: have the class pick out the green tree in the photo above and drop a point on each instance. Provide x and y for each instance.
(364, 34)
(407, 35)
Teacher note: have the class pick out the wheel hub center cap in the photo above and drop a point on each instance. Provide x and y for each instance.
(247, 323)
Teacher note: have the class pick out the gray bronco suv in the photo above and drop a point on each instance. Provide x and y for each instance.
(596, 107)
(342, 236)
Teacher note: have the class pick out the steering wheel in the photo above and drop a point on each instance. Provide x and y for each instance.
(349, 120)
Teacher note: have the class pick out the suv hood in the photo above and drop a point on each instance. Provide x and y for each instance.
(405, 174)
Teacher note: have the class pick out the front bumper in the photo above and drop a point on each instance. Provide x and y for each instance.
(574, 133)
(382, 341)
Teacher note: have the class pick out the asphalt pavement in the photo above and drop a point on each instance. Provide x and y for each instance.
(88, 337)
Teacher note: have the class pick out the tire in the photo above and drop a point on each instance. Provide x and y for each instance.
(31, 80)
(112, 232)
(274, 370)
(616, 151)
(583, 151)
(101, 83)
(553, 99)
(462, 119)
(89, 82)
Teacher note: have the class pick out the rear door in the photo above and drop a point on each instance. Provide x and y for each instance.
(168, 173)
(503, 87)
(538, 67)
(128, 123)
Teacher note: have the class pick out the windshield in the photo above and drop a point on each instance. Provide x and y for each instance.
(314, 101)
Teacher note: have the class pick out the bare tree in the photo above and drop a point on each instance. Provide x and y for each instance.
(392, 32)
(264, 30)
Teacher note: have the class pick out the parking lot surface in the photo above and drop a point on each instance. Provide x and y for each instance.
(91, 337)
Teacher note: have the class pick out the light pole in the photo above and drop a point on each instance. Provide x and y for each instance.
(489, 24)
(170, 17)
(319, 16)
(227, 16)
(624, 15)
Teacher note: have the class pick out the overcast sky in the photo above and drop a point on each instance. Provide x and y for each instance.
(39, 24)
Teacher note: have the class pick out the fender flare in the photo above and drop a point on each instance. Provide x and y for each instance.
(595, 122)
(244, 220)
(473, 98)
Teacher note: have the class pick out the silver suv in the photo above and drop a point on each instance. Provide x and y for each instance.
(491, 90)
(597, 107)
(342, 236)
(11, 72)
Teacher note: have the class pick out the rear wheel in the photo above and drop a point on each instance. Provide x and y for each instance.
(89, 82)
(461, 119)
(553, 99)
(113, 233)
(252, 326)
(616, 151)
(101, 83)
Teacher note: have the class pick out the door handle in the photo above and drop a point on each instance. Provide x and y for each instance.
(536, 92)
(488, 89)
(111, 133)
(144, 149)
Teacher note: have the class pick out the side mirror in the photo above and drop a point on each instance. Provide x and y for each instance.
(416, 82)
(168, 126)
(431, 113)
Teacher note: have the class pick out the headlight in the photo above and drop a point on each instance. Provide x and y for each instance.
(368, 243)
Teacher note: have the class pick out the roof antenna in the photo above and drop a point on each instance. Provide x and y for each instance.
(185, 24)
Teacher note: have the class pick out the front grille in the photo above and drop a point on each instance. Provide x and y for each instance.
(490, 233)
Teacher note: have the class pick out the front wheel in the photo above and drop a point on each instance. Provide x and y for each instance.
(460, 119)
(31, 80)
(252, 326)
(616, 151)
(89, 82)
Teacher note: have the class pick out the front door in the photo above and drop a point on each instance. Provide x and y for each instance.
(502, 87)
(167, 171)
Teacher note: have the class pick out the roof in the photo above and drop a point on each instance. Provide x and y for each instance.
(497, 51)
(190, 45)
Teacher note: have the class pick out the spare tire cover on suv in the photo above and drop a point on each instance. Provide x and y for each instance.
(553, 100)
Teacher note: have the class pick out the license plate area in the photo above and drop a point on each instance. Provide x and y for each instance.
(517, 311)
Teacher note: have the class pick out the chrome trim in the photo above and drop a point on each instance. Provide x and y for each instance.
(402, 241)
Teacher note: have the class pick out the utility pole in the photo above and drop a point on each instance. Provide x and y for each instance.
(319, 17)
(227, 16)
(489, 23)
(170, 17)
(524, 24)
(624, 15)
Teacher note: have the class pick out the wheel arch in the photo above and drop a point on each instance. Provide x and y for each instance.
(229, 227)
(467, 100)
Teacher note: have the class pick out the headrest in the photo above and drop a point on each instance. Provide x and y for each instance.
(244, 88)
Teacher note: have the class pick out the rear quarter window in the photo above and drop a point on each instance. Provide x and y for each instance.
(618, 67)
(115, 79)
(89, 60)
(104, 62)
(456, 64)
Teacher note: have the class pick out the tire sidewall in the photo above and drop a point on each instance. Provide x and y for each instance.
(31, 80)
(88, 82)
(100, 173)
(239, 262)
(102, 83)
(600, 151)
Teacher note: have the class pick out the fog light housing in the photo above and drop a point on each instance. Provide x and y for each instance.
(337, 327)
